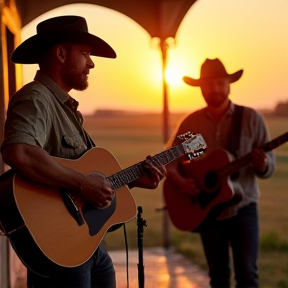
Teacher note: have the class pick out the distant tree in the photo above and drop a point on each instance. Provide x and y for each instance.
(281, 109)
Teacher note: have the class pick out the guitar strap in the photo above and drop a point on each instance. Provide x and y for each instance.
(235, 135)
(236, 130)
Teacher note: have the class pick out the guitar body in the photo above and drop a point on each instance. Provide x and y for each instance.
(192, 213)
(40, 226)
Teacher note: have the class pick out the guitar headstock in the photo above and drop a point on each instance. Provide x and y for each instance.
(193, 144)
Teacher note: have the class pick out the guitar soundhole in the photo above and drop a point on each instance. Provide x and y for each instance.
(211, 179)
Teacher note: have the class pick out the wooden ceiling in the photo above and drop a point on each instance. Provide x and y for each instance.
(160, 18)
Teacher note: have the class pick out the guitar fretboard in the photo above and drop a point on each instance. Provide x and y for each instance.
(136, 171)
(235, 165)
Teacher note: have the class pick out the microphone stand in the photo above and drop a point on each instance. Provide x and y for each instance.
(140, 224)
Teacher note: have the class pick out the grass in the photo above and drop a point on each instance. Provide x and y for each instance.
(132, 138)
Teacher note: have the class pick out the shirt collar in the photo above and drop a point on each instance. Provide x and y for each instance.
(231, 108)
(72, 103)
(61, 95)
(229, 111)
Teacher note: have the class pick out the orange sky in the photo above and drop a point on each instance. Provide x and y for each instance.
(245, 34)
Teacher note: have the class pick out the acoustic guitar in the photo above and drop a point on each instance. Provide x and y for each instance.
(53, 226)
(218, 190)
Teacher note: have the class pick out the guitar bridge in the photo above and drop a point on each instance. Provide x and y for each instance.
(72, 207)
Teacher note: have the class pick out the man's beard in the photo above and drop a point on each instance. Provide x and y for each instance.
(75, 80)
(216, 100)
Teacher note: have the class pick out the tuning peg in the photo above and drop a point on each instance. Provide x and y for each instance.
(190, 157)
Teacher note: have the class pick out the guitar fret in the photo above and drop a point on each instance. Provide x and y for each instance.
(172, 154)
(132, 173)
(114, 182)
(126, 176)
(235, 165)
(276, 142)
(136, 171)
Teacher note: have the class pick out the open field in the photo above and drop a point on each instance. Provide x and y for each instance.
(132, 137)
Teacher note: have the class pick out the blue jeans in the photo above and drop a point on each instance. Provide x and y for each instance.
(241, 233)
(98, 272)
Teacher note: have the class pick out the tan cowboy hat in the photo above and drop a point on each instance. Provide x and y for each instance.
(60, 30)
(211, 69)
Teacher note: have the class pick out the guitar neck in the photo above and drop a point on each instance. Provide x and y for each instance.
(136, 171)
(236, 165)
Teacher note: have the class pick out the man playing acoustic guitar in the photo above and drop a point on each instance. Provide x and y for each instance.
(237, 226)
(43, 121)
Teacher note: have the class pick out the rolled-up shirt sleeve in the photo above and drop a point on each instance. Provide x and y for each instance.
(27, 121)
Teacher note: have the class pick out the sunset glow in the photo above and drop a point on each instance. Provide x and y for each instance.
(244, 34)
(173, 75)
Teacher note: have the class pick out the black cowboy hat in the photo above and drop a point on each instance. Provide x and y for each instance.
(211, 69)
(60, 30)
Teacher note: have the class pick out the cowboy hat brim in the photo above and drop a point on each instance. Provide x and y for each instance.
(29, 51)
(198, 82)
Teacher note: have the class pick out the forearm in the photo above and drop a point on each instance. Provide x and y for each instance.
(37, 165)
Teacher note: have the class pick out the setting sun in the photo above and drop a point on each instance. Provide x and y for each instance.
(173, 75)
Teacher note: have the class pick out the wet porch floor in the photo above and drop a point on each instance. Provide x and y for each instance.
(162, 269)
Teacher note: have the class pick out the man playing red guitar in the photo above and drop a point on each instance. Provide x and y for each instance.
(236, 226)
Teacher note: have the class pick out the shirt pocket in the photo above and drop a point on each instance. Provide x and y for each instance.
(73, 146)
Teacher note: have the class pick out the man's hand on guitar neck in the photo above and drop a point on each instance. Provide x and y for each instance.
(259, 160)
(155, 172)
